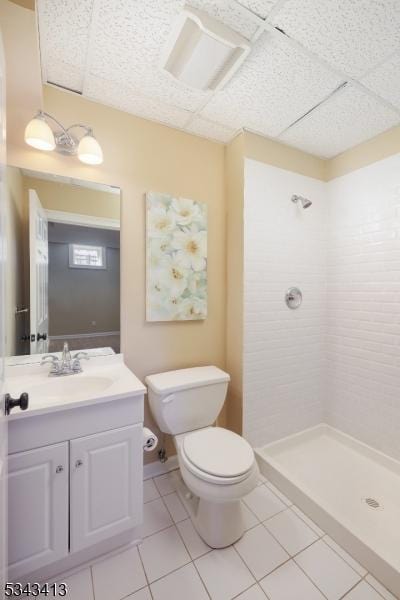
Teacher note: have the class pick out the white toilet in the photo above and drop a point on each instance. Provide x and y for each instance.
(217, 466)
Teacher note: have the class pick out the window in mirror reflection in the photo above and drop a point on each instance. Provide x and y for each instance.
(87, 257)
(63, 242)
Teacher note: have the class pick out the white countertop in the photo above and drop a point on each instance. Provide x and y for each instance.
(104, 379)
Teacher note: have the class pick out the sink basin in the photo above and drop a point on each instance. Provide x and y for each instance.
(71, 387)
(104, 379)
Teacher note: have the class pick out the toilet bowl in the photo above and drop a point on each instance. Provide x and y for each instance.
(217, 467)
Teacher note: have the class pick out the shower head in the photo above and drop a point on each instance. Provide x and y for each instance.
(305, 202)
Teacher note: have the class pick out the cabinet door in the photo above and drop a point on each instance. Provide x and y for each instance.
(37, 508)
(106, 485)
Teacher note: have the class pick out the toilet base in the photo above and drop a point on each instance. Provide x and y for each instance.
(218, 524)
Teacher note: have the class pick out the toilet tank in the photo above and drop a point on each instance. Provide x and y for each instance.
(187, 399)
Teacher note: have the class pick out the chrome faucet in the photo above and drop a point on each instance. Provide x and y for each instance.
(68, 365)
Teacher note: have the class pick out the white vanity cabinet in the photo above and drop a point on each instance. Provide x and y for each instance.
(75, 477)
(38, 508)
(105, 491)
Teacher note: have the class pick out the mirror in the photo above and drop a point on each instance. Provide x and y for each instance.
(63, 248)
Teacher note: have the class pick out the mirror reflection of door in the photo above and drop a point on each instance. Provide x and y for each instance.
(63, 248)
(39, 275)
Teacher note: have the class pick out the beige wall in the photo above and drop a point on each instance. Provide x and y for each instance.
(15, 223)
(139, 156)
(380, 147)
(285, 157)
(55, 195)
(234, 173)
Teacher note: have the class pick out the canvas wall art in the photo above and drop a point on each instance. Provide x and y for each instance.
(176, 257)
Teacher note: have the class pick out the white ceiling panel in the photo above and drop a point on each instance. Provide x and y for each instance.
(385, 80)
(273, 88)
(347, 119)
(128, 100)
(68, 76)
(209, 129)
(261, 8)
(132, 35)
(64, 28)
(228, 12)
(352, 35)
(110, 51)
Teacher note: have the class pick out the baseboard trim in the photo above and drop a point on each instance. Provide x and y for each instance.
(156, 468)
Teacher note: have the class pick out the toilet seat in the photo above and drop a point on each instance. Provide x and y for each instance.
(217, 455)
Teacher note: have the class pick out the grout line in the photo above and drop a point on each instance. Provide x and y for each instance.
(342, 557)
(92, 579)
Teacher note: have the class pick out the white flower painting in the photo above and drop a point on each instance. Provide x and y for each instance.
(176, 255)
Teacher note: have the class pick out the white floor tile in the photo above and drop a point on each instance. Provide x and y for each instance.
(291, 531)
(308, 521)
(331, 574)
(363, 591)
(261, 479)
(193, 542)
(162, 553)
(345, 555)
(150, 492)
(165, 483)
(263, 503)
(177, 511)
(278, 493)
(180, 585)
(249, 518)
(143, 594)
(224, 573)
(254, 593)
(290, 583)
(155, 518)
(379, 587)
(79, 586)
(260, 551)
(118, 575)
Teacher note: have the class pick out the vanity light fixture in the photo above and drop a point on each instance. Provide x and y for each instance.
(40, 135)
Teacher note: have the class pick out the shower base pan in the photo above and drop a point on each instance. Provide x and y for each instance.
(349, 489)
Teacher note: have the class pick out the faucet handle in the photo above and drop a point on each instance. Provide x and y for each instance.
(80, 355)
(54, 360)
(49, 358)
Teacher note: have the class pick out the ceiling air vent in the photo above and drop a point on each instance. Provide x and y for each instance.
(201, 52)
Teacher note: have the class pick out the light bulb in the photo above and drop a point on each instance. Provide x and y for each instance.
(89, 150)
(38, 134)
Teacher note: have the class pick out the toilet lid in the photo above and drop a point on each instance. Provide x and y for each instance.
(218, 451)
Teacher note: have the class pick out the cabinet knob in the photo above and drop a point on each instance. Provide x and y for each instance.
(10, 403)
(78, 463)
(59, 469)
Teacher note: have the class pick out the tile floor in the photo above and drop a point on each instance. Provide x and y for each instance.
(282, 556)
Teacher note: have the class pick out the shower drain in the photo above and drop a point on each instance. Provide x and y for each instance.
(373, 503)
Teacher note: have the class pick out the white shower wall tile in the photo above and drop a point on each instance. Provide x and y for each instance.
(336, 359)
(363, 322)
(284, 367)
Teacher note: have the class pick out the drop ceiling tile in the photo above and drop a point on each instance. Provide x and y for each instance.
(128, 100)
(261, 8)
(64, 28)
(385, 80)
(209, 129)
(68, 76)
(226, 12)
(275, 86)
(352, 35)
(348, 118)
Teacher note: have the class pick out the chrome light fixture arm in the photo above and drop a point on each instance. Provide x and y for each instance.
(67, 143)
